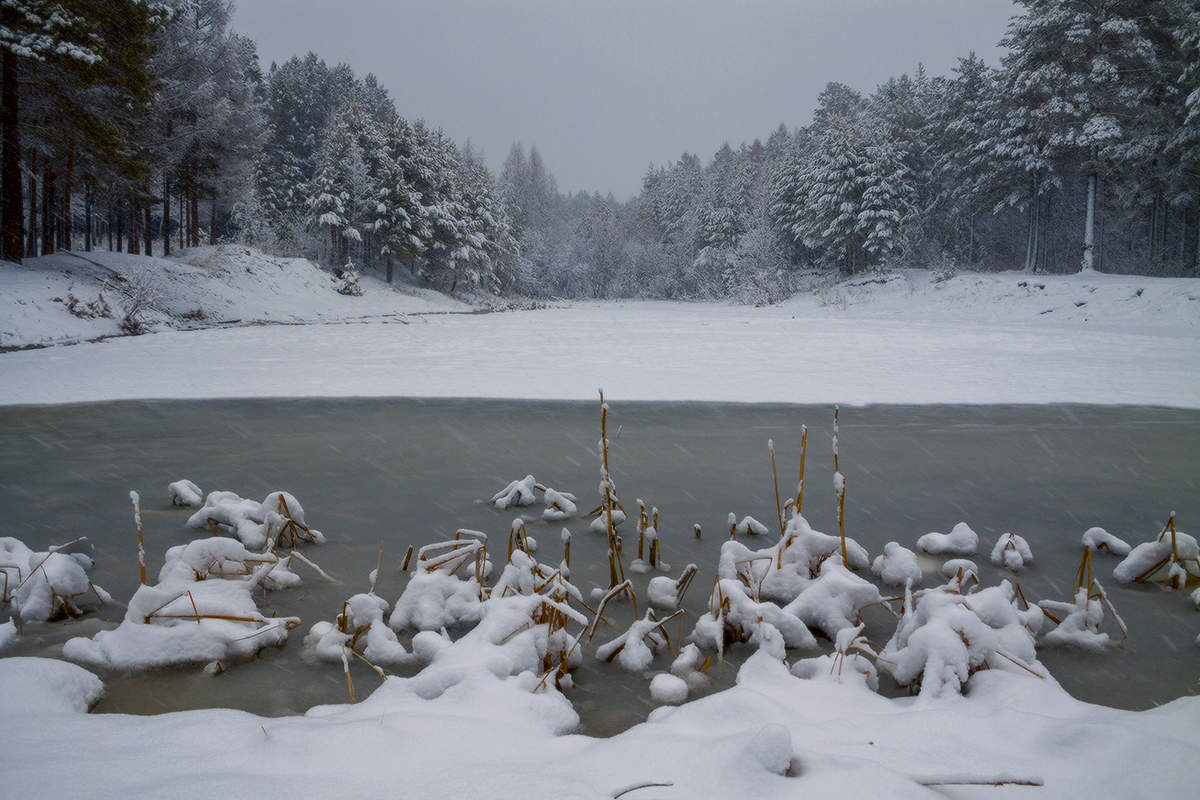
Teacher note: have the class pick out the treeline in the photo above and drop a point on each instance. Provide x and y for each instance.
(1081, 150)
(148, 126)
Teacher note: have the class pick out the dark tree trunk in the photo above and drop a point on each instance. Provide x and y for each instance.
(120, 228)
(212, 222)
(67, 243)
(31, 247)
(10, 157)
(166, 217)
(182, 218)
(134, 242)
(389, 269)
(87, 217)
(149, 231)
(195, 212)
(47, 209)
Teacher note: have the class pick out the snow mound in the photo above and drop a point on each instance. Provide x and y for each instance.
(1100, 540)
(46, 585)
(667, 688)
(277, 518)
(961, 540)
(184, 493)
(897, 565)
(46, 685)
(1011, 552)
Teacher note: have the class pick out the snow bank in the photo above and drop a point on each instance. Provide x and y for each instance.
(226, 284)
(184, 493)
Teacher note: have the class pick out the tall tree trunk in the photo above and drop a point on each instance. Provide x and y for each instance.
(87, 217)
(120, 214)
(149, 230)
(11, 230)
(1089, 226)
(182, 217)
(47, 208)
(389, 267)
(195, 210)
(166, 214)
(134, 241)
(67, 243)
(31, 248)
(212, 221)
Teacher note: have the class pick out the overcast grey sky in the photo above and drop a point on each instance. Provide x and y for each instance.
(604, 88)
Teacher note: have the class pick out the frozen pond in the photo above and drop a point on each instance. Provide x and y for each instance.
(406, 472)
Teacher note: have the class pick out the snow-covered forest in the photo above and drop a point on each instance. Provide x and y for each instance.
(152, 126)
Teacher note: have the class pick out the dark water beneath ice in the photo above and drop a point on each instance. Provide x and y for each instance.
(412, 471)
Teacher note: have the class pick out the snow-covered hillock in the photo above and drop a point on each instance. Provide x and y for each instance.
(1114, 302)
(73, 296)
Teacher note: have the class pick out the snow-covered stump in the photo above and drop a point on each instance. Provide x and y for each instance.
(42, 586)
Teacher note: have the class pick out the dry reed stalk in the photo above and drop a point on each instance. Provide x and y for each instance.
(775, 480)
(685, 580)
(567, 548)
(696, 529)
(325, 575)
(1083, 574)
(800, 483)
(407, 559)
(625, 587)
(137, 521)
(647, 785)
(195, 610)
(349, 681)
(1021, 664)
(51, 552)
(1000, 780)
(643, 522)
(842, 519)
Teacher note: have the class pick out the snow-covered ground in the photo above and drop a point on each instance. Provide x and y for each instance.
(908, 337)
(972, 339)
(202, 287)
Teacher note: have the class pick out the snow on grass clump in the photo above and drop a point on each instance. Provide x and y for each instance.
(184, 493)
(665, 592)
(516, 493)
(182, 621)
(278, 518)
(897, 565)
(1169, 559)
(944, 637)
(954, 567)
(41, 586)
(748, 526)
(961, 540)
(1101, 540)
(851, 659)
(358, 630)
(1012, 552)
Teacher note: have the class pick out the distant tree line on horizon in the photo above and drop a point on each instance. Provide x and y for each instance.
(149, 126)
